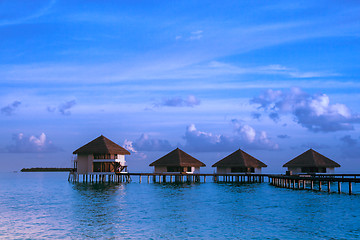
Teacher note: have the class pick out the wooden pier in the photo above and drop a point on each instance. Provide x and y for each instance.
(315, 182)
(98, 177)
(318, 182)
(166, 177)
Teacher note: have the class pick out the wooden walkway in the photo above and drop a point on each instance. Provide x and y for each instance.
(166, 177)
(315, 182)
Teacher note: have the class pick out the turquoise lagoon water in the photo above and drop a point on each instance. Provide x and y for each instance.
(46, 206)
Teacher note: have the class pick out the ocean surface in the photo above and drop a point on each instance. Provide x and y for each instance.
(47, 206)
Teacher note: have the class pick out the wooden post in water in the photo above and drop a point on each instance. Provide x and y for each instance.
(328, 186)
(339, 187)
(350, 188)
(319, 185)
(312, 185)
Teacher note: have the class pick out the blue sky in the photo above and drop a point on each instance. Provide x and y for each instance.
(271, 78)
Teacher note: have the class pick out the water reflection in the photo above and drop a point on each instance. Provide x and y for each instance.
(98, 207)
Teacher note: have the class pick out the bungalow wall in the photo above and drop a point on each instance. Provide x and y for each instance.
(164, 169)
(227, 170)
(299, 170)
(84, 163)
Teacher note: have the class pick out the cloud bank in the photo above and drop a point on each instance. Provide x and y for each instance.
(246, 137)
(31, 144)
(198, 141)
(145, 143)
(313, 112)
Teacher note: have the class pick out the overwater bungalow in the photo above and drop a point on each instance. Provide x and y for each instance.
(177, 161)
(239, 162)
(311, 162)
(100, 155)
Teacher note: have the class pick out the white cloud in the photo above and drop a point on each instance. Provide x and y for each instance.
(128, 145)
(145, 143)
(32, 144)
(246, 137)
(314, 112)
(248, 133)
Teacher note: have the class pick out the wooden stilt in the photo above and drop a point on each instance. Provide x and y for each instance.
(339, 187)
(350, 188)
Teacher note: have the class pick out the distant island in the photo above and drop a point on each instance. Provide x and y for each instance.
(40, 169)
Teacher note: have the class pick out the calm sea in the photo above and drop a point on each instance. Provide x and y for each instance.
(46, 206)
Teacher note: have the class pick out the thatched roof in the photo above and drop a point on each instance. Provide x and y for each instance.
(239, 158)
(101, 145)
(178, 158)
(311, 158)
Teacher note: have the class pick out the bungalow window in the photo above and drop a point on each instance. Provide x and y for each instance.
(242, 170)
